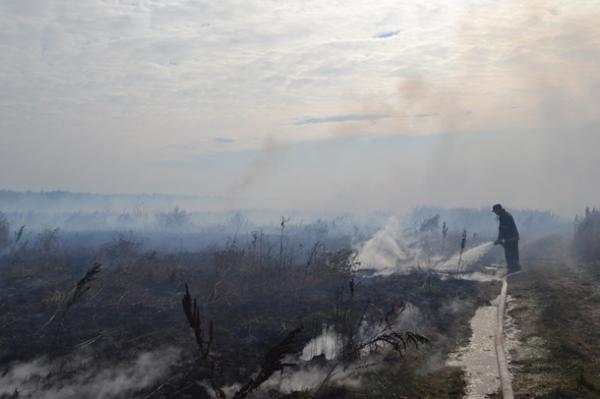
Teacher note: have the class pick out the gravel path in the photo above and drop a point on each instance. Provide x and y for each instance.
(484, 359)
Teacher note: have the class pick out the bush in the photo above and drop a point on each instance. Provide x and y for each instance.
(586, 242)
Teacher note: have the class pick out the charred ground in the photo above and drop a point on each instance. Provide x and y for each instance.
(252, 291)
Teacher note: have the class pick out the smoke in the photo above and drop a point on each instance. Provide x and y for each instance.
(517, 86)
(309, 377)
(389, 251)
(311, 371)
(393, 249)
(83, 376)
(520, 90)
(327, 344)
(527, 65)
(272, 153)
(410, 319)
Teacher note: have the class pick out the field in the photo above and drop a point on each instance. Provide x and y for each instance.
(108, 321)
(289, 311)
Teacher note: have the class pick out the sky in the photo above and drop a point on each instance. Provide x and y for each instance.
(341, 105)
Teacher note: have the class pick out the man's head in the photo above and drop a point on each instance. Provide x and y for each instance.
(497, 209)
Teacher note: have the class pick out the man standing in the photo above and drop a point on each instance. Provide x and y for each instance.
(508, 237)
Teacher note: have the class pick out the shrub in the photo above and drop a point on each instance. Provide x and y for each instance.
(174, 220)
(586, 242)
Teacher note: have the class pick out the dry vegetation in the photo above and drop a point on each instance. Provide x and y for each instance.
(586, 242)
(558, 314)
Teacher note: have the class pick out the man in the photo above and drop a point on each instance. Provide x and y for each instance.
(508, 237)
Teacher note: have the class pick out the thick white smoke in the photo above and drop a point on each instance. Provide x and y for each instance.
(389, 251)
(393, 249)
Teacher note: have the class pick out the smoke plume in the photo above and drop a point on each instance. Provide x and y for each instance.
(82, 376)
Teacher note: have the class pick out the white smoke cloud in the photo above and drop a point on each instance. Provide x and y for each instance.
(390, 250)
(309, 375)
(327, 344)
(393, 249)
(81, 376)
(410, 319)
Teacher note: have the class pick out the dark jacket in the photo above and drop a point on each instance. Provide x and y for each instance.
(507, 230)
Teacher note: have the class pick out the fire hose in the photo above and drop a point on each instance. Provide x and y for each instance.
(505, 380)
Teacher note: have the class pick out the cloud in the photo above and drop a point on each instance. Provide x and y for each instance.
(224, 140)
(338, 118)
(125, 82)
(385, 35)
(426, 115)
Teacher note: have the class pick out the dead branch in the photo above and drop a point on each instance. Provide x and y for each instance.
(192, 313)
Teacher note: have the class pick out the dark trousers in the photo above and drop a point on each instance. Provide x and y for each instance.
(511, 252)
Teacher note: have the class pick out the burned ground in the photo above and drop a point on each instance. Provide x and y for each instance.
(252, 297)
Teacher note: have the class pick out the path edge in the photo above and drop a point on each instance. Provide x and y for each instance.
(505, 378)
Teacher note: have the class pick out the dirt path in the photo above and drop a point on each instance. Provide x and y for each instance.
(484, 358)
(478, 358)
